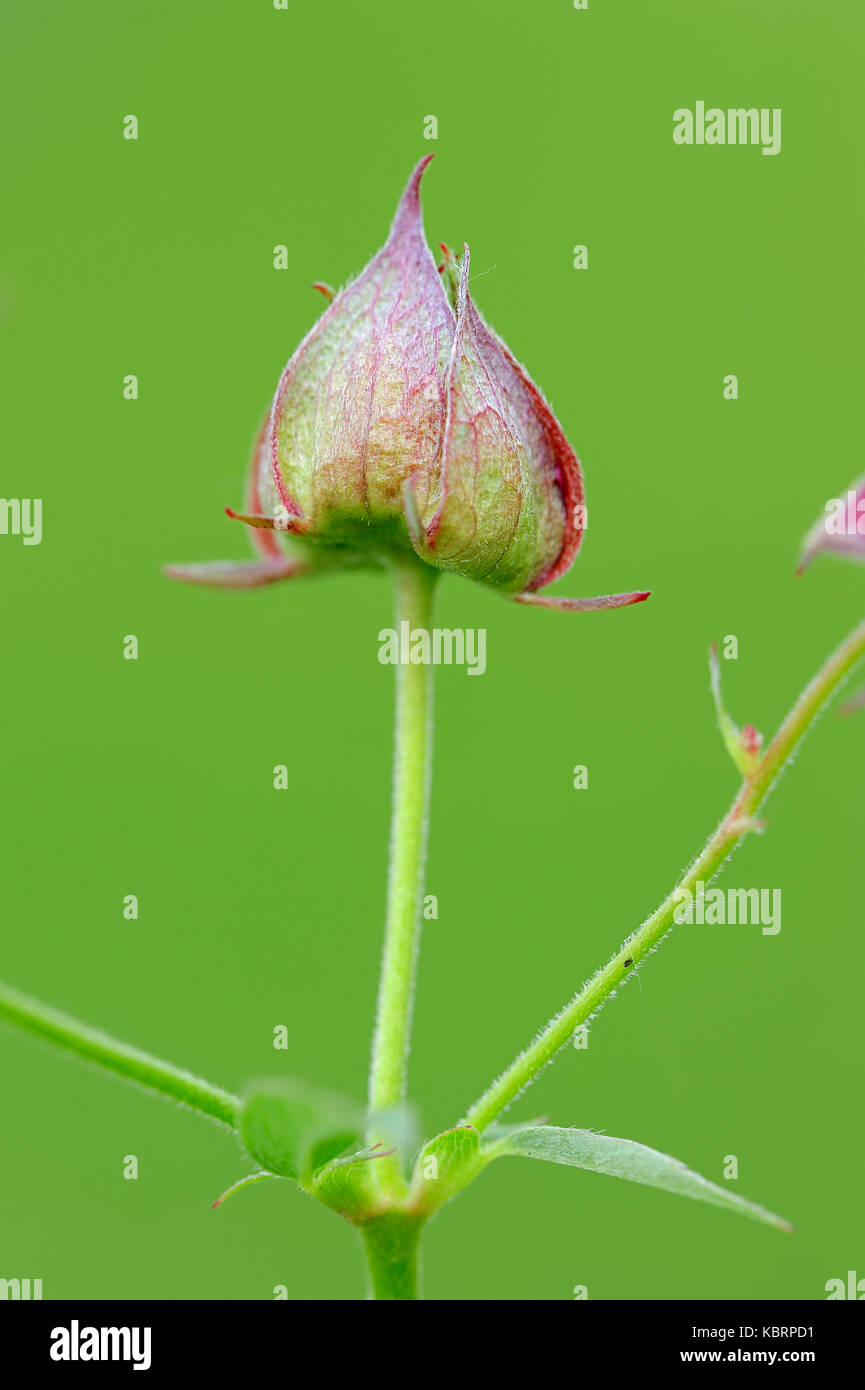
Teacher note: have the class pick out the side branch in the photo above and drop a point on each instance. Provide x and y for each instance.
(94, 1046)
(735, 825)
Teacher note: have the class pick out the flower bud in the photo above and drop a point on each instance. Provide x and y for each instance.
(402, 421)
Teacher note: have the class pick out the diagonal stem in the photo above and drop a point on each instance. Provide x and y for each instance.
(735, 825)
(94, 1046)
(387, 1083)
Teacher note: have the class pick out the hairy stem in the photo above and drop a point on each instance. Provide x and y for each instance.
(735, 825)
(392, 1246)
(94, 1046)
(414, 594)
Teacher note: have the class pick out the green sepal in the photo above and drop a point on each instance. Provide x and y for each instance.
(348, 1186)
(445, 1166)
(743, 745)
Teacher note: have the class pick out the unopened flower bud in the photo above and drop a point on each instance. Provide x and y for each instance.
(403, 422)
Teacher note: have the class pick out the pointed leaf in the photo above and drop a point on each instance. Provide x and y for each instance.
(623, 1158)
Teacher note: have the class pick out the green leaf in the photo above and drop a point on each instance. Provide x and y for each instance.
(292, 1128)
(623, 1158)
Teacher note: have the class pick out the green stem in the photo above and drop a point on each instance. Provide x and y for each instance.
(414, 594)
(94, 1046)
(735, 825)
(392, 1245)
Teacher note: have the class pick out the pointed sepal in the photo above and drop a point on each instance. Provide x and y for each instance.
(239, 574)
(598, 604)
(359, 404)
(248, 1181)
(745, 745)
(445, 1166)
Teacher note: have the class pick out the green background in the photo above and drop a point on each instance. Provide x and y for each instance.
(258, 907)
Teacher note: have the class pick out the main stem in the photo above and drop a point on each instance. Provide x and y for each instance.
(387, 1083)
(735, 825)
(392, 1245)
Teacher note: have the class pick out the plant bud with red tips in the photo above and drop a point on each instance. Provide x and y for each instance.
(403, 422)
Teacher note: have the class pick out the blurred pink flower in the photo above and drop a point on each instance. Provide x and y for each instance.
(841, 531)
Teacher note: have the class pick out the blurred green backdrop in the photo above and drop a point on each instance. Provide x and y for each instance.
(258, 908)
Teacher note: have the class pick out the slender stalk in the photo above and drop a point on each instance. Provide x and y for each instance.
(139, 1067)
(414, 594)
(735, 825)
